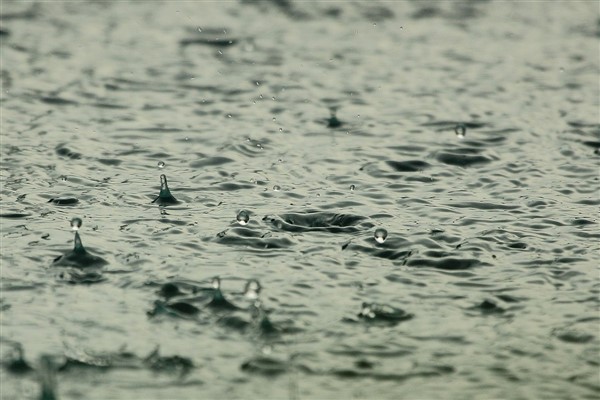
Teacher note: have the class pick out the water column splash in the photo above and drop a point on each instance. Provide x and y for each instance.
(333, 121)
(165, 197)
(460, 130)
(219, 301)
(79, 257)
(47, 376)
(259, 316)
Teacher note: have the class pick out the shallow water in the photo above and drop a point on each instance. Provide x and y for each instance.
(324, 122)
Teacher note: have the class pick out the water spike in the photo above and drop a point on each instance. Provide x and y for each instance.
(78, 245)
(165, 196)
(333, 121)
(47, 375)
(219, 301)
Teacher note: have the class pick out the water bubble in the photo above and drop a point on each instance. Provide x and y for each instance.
(243, 217)
(76, 223)
(460, 130)
(380, 235)
(252, 289)
(352, 188)
(276, 188)
(161, 164)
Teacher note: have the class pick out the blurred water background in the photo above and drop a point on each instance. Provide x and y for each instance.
(400, 199)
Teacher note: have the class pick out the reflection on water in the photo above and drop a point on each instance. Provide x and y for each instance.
(364, 199)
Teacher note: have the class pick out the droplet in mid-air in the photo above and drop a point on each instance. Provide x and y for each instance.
(460, 130)
(161, 164)
(352, 188)
(76, 223)
(243, 217)
(276, 188)
(216, 283)
(380, 235)
(252, 289)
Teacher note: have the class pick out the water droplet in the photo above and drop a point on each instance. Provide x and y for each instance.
(280, 129)
(243, 217)
(199, 29)
(273, 98)
(276, 188)
(380, 235)
(76, 223)
(460, 130)
(260, 96)
(352, 188)
(229, 115)
(257, 83)
(252, 289)
(63, 178)
(216, 283)
(220, 52)
(274, 119)
(161, 164)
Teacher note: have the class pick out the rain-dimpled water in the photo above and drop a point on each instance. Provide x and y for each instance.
(299, 200)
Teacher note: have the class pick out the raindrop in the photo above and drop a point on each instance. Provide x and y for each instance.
(199, 29)
(220, 52)
(216, 283)
(276, 188)
(280, 129)
(380, 235)
(243, 217)
(274, 119)
(63, 178)
(460, 130)
(257, 83)
(161, 164)
(352, 188)
(252, 289)
(76, 223)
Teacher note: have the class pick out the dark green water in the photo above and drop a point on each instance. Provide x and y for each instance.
(324, 122)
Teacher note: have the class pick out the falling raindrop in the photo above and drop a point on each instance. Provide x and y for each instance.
(352, 188)
(243, 217)
(216, 283)
(161, 164)
(252, 289)
(460, 130)
(76, 223)
(276, 188)
(380, 235)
